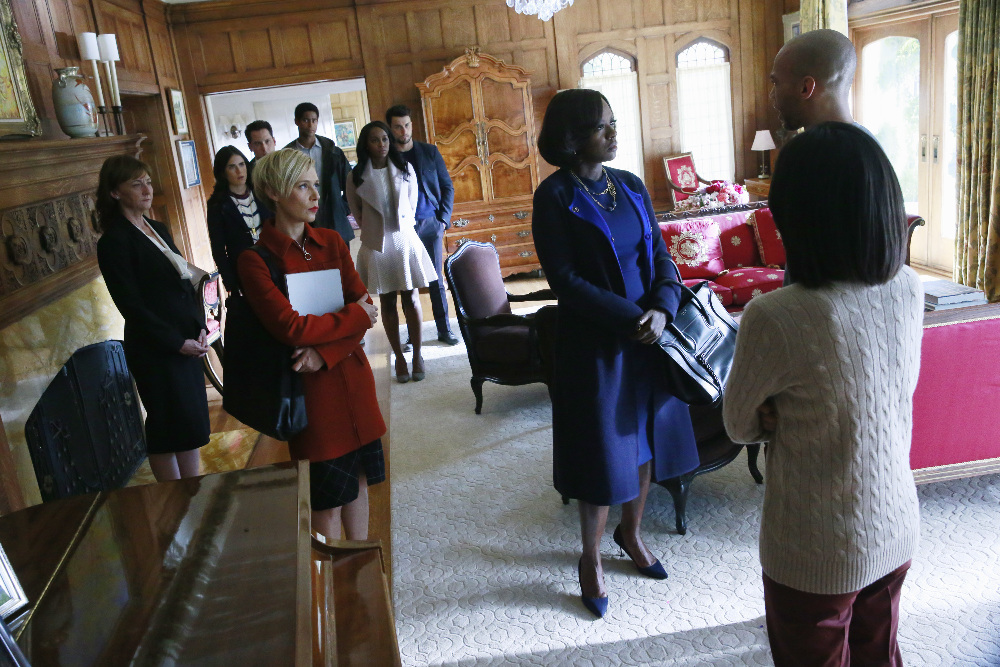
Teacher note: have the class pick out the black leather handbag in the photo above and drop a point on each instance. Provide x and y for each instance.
(260, 388)
(699, 345)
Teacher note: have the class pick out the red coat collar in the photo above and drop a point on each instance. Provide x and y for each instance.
(279, 243)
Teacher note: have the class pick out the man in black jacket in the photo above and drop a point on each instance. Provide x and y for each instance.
(436, 198)
(331, 167)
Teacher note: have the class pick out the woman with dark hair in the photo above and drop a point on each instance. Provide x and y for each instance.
(824, 371)
(150, 284)
(234, 214)
(615, 425)
(382, 192)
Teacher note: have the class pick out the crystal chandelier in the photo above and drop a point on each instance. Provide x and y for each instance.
(544, 8)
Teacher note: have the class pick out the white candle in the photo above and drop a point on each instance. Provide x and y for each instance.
(108, 46)
(100, 90)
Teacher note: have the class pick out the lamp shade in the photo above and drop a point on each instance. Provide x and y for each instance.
(762, 141)
(108, 46)
(87, 41)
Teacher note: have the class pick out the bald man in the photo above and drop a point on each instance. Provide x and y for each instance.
(811, 79)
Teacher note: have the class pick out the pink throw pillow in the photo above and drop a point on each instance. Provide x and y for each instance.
(695, 247)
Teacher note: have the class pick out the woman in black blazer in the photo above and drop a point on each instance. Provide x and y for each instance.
(234, 214)
(165, 335)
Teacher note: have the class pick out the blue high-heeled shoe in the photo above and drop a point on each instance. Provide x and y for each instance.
(655, 570)
(597, 606)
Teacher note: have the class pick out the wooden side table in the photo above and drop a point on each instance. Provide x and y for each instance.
(758, 187)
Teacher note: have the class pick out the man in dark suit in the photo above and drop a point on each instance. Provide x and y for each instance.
(260, 139)
(436, 198)
(331, 167)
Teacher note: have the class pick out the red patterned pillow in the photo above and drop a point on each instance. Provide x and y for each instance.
(694, 246)
(739, 247)
(772, 251)
(724, 293)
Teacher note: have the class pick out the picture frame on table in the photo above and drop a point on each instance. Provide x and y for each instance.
(178, 115)
(189, 163)
(17, 111)
(345, 134)
(12, 597)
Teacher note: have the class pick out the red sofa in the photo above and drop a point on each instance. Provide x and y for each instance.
(725, 249)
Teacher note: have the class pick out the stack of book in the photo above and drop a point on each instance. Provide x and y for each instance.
(944, 294)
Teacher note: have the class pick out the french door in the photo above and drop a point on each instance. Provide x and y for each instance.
(906, 94)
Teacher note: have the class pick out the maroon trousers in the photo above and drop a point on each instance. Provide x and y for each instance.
(859, 628)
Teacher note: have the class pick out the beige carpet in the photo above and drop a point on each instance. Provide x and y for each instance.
(485, 552)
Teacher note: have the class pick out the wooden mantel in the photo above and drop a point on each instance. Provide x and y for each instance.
(47, 230)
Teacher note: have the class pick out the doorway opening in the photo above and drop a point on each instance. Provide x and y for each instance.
(343, 111)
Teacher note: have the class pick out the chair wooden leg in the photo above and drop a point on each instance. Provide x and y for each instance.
(477, 389)
(565, 500)
(752, 452)
(678, 488)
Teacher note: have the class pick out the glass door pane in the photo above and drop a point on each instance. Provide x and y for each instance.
(890, 109)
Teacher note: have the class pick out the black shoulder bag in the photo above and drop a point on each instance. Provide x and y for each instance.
(260, 388)
(699, 345)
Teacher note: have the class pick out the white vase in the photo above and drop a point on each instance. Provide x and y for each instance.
(75, 108)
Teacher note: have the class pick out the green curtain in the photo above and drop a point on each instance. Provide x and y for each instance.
(977, 243)
(816, 14)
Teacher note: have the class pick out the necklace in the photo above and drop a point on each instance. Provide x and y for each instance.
(609, 189)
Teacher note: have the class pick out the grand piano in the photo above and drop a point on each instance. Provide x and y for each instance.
(214, 570)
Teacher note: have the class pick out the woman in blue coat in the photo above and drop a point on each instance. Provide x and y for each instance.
(615, 425)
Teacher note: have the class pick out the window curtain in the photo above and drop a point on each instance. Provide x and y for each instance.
(706, 119)
(622, 91)
(977, 251)
(816, 14)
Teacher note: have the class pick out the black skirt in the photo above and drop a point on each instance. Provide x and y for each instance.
(172, 389)
(334, 483)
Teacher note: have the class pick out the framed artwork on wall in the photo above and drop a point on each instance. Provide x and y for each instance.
(177, 113)
(189, 162)
(345, 133)
(17, 112)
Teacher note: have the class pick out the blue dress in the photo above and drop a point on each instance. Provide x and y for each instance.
(611, 410)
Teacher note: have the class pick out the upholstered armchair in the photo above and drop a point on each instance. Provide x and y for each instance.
(502, 347)
(681, 176)
(211, 300)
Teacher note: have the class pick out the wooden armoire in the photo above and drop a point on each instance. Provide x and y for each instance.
(478, 112)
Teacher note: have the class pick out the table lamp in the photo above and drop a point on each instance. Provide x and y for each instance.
(762, 141)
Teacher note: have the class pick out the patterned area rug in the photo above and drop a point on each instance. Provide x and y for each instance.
(485, 553)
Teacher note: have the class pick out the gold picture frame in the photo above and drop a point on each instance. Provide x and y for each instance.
(178, 114)
(17, 111)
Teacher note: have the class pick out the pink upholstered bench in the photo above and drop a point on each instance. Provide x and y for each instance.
(957, 401)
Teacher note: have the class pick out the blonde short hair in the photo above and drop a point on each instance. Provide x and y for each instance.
(278, 171)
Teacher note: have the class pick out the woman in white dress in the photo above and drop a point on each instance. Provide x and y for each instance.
(382, 192)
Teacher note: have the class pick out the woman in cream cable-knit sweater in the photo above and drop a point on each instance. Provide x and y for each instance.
(824, 371)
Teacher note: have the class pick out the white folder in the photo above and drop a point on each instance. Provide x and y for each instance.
(315, 292)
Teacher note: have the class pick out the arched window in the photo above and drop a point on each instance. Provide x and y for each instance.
(615, 76)
(704, 101)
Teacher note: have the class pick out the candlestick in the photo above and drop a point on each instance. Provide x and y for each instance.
(117, 97)
(108, 46)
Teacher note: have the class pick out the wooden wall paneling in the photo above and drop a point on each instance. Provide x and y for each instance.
(256, 46)
(125, 19)
(404, 43)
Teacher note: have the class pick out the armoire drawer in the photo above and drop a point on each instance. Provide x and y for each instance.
(516, 258)
(506, 218)
(499, 237)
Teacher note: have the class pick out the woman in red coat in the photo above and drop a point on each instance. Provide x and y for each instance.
(342, 441)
